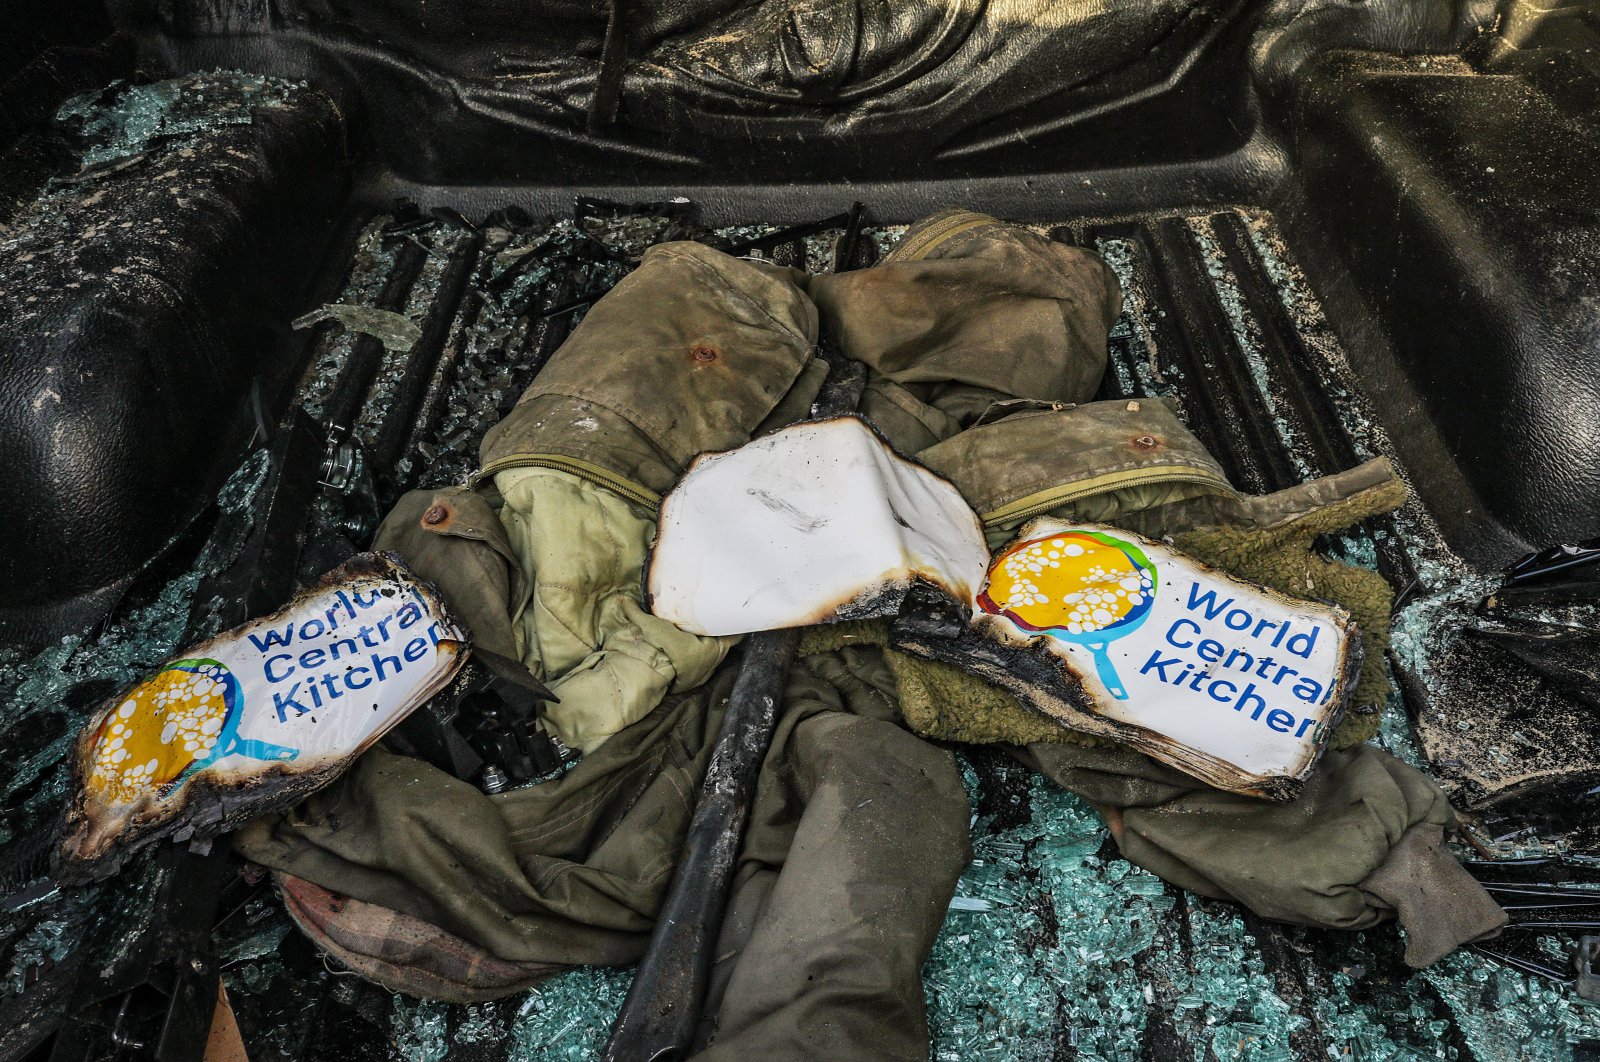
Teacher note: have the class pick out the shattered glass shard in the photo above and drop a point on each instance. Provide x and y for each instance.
(395, 331)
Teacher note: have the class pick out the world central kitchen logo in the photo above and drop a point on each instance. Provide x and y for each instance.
(1083, 587)
(357, 642)
(1202, 636)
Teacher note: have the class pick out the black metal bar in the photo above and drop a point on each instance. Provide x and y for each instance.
(781, 236)
(659, 1017)
(844, 252)
(389, 446)
(1548, 562)
(1543, 595)
(568, 307)
(1524, 965)
(366, 352)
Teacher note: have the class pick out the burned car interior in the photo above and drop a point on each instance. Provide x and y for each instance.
(834, 529)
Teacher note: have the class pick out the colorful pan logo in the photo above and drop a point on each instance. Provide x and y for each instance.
(1083, 587)
(174, 724)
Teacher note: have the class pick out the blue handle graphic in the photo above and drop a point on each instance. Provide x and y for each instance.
(259, 750)
(1108, 672)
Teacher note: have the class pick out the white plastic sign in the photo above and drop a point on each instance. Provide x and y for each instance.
(295, 695)
(1227, 679)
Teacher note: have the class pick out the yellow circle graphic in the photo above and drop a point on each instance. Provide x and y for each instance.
(1069, 582)
(160, 728)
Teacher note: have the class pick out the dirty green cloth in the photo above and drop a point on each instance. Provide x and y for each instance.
(1360, 844)
(456, 538)
(1107, 459)
(550, 574)
(690, 352)
(570, 871)
(859, 828)
(832, 913)
(584, 628)
(1004, 314)
(858, 834)
(965, 312)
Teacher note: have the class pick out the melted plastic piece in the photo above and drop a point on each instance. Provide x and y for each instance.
(254, 719)
(818, 522)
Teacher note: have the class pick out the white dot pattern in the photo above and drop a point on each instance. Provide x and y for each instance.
(1097, 596)
(162, 726)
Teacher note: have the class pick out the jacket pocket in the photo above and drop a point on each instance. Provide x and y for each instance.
(694, 349)
(454, 540)
(1125, 456)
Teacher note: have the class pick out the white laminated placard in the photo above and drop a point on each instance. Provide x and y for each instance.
(1230, 680)
(268, 710)
(818, 522)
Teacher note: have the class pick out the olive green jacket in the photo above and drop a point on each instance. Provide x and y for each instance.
(986, 343)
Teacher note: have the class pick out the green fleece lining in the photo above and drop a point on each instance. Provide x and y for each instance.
(943, 702)
(1281, 557)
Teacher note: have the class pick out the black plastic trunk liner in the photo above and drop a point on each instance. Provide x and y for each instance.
(1055, 947)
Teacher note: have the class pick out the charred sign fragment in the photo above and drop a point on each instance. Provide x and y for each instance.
(819, 522)
(254, 719)
(1504, 708)
(1117, 635)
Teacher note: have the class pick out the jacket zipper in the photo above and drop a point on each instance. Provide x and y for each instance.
(1045, 500)
(1021, 509)
(925, 242)
(584, 470)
